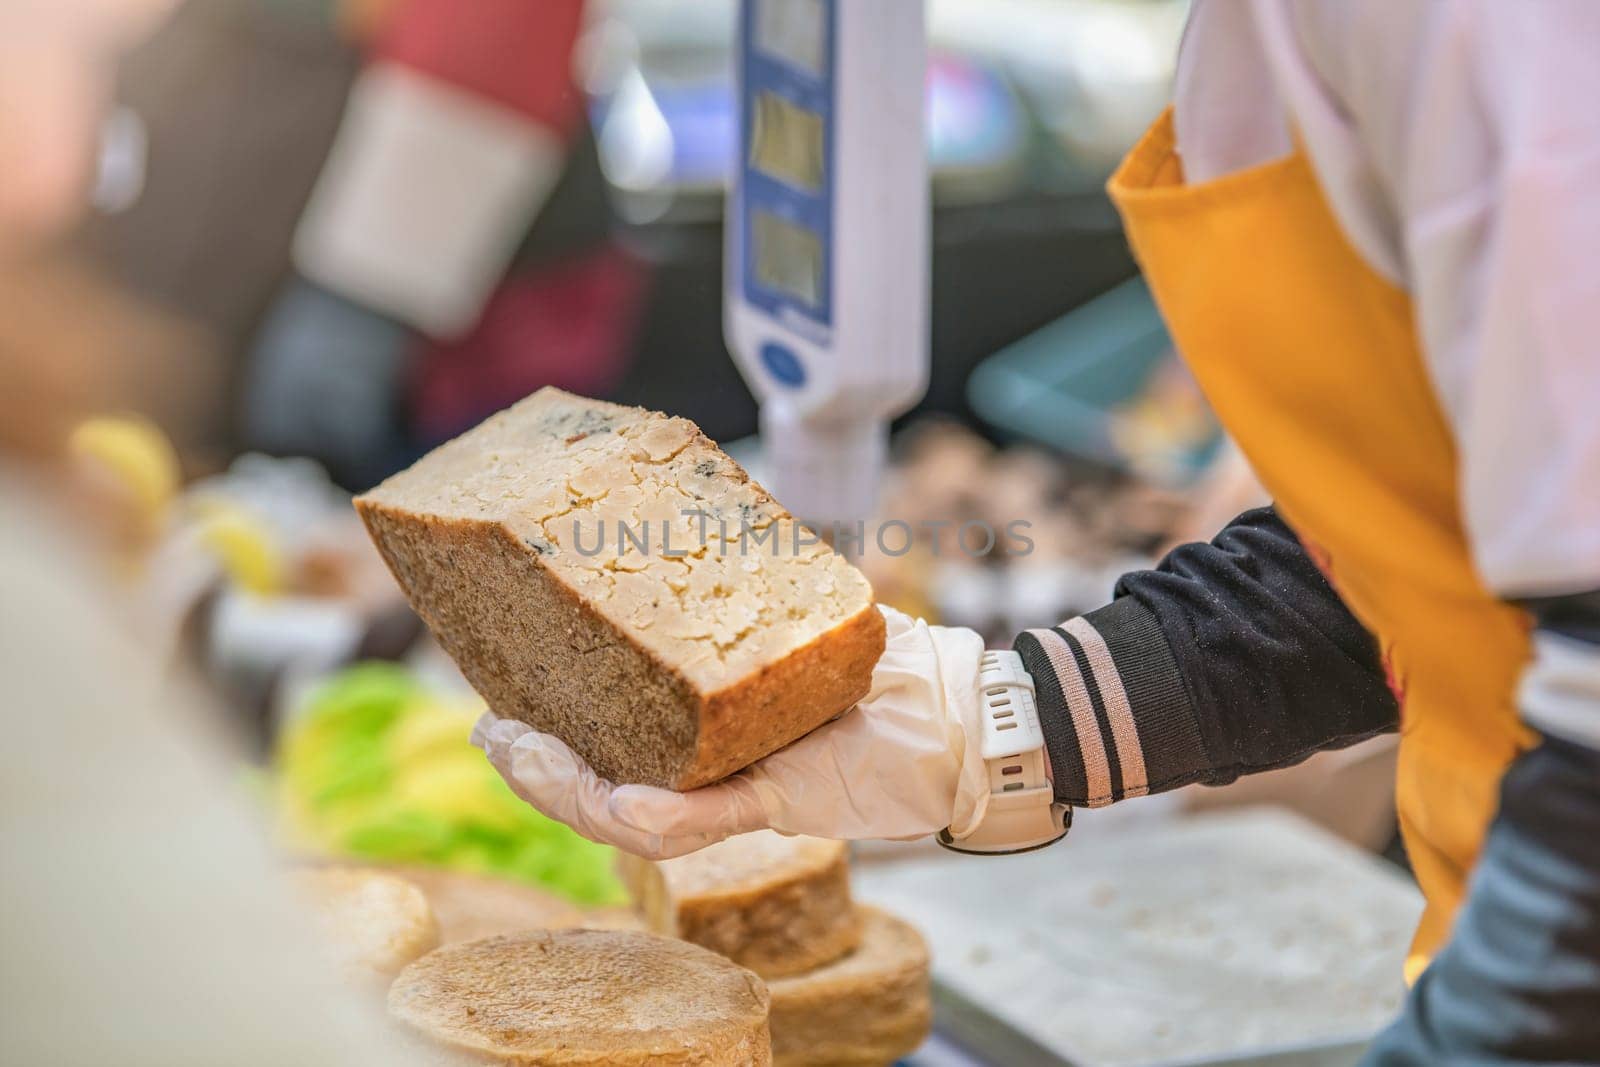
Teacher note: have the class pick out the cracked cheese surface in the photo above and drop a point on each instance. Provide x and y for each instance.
(648, 521)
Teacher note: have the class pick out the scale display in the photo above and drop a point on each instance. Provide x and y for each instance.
(825, 247)
(786, 160)
(786, 142)
(795, 31)
(788, 257)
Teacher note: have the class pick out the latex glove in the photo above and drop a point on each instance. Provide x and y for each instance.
(903, 763)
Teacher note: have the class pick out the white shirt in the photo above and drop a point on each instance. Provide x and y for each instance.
(143, 917)
(1458, 143)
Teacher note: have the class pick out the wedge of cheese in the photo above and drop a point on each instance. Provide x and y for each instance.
(608, 575)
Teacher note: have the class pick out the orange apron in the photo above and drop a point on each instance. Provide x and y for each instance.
(1311, 360)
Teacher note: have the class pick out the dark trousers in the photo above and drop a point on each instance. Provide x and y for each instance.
(1519, 981)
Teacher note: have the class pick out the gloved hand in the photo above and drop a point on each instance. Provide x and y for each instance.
(903, 763)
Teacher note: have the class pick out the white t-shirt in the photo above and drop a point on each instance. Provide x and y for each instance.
(1458, 143)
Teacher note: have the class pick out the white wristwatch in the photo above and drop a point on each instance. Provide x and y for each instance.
(1023, 813)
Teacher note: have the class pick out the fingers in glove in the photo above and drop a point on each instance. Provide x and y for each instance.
(489, 723)
(554, 780)
(724, 809)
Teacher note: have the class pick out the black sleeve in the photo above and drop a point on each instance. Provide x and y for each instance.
(1228, 658)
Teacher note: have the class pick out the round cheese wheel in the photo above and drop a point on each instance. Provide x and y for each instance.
(582, 998)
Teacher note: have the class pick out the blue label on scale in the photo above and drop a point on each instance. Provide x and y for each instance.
(786, 159)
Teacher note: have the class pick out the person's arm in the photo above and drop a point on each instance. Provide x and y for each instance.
(1229, 658)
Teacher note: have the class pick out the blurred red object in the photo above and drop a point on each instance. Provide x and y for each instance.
(516, 53)
(569, 324)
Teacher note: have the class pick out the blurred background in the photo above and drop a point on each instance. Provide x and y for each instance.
(563, 166)
(203, 365)
(604, 274)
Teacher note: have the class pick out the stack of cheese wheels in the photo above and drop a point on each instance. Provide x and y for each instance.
(777, 905)
(849, 984)
(864, 1009)
(509, 987)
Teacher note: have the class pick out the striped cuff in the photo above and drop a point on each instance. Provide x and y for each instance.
(1117, 721)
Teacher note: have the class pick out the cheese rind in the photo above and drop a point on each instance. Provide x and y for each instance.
(777, 905)
(865, 1010)
(608, 575)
